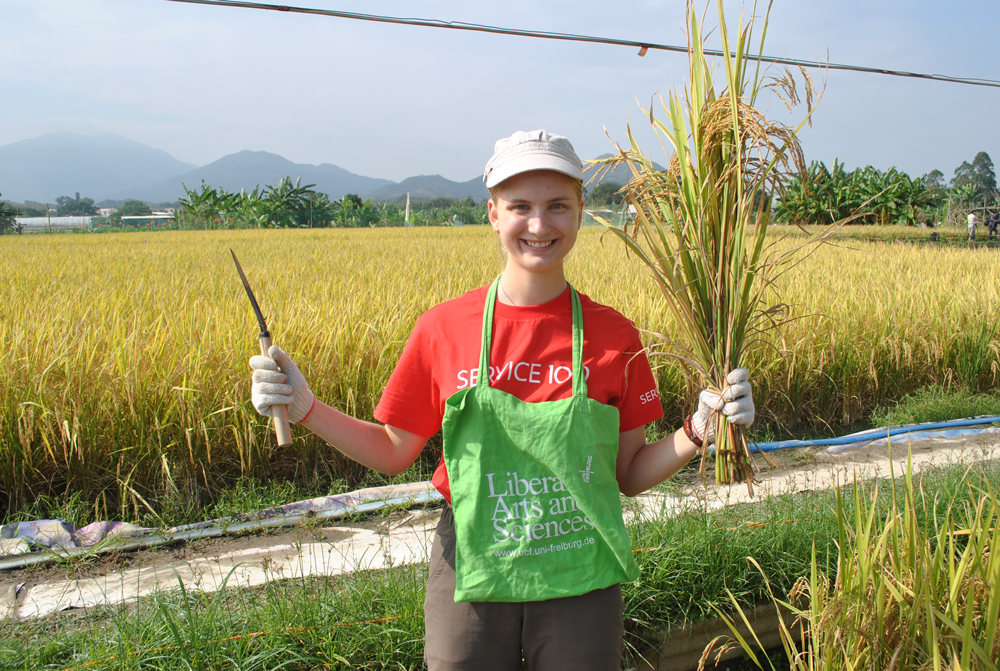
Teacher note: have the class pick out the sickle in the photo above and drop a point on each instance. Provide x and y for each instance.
(279, 411)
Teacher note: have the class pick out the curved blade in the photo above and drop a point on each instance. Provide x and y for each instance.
(264, 333)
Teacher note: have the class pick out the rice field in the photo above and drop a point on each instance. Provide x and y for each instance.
(123, 379)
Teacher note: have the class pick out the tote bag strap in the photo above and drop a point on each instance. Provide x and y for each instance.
(579, 374)
(483, 376)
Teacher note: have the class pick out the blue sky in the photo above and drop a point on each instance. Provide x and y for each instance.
(392, 101)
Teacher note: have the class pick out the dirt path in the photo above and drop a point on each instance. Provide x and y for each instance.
(405, 537)
(811, 469)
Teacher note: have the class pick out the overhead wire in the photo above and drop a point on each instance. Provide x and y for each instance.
(570, 37)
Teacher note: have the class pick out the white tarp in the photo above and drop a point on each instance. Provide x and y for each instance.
(53, 223)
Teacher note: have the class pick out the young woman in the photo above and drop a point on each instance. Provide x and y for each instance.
(542, 396)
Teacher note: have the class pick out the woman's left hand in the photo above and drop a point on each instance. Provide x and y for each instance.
(735, 403)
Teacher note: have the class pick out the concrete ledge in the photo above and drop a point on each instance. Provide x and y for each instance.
(682, 648)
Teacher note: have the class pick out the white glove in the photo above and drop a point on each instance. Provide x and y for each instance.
(277, 381)
(735, 402)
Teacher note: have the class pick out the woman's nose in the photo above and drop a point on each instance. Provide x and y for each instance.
(536, 221)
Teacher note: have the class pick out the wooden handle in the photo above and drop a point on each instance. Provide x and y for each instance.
(280, 412)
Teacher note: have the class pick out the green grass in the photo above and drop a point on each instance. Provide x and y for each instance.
(368, 620)
(937, 404)
(246, 495)
(687, 564)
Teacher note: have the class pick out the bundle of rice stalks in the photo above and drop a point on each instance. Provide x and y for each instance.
(700, 225)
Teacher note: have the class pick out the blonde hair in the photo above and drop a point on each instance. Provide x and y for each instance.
(497, 190)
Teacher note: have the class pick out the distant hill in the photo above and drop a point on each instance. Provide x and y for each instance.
(432, 186)
(436, 186)
(110, 167)
(247, 169)
(98, 166)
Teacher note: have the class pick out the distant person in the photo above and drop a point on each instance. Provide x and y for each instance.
(972, 226)
(992, 223)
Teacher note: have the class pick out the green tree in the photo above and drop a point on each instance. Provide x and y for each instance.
(75, 207)
(356, 212)
(8, 218)
(250, 210)
(352, 201)
(934, 179)
(966, 195)
(132, 208)
(979, 174)
(285, 204)
(289, 203)
(26, 210)
(208, 208)
(438, 203)
(985, 175)
(823, 196)
(321, 210)
(606, 193)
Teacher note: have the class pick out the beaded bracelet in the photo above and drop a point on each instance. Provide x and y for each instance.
(691, 434)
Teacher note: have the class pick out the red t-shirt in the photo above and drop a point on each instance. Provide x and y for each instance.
(531, 357)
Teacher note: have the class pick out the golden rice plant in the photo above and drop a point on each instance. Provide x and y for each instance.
(123, 377)
(701, 225)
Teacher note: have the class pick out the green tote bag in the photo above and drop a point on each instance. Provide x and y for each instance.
(535, 499)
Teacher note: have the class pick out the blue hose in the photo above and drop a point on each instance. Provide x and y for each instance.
(872, 434)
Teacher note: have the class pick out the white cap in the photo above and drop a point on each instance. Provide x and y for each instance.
(531, 150)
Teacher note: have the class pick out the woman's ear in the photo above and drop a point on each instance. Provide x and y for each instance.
(493, 213)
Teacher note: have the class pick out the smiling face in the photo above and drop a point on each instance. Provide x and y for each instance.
(537, 215)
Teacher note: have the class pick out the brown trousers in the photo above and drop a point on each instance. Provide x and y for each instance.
(580, 633)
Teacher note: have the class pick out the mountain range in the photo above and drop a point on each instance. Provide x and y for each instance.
(247, 169)
(111, 167)
(98, 166)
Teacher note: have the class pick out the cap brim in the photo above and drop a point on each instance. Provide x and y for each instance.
(530, 162)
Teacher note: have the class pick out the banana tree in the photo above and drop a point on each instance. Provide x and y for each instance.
(864, 196)
(252, 210)
(207, 208)
(289, 204)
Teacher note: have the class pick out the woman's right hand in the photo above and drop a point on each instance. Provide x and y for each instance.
(735, 402)
(277, 381)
